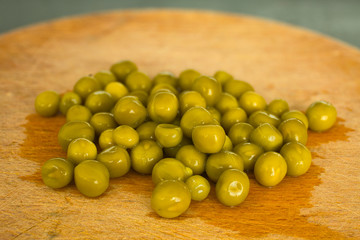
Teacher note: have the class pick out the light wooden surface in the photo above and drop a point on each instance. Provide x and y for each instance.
(280, 61)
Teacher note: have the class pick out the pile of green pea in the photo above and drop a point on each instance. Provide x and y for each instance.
(183, 130)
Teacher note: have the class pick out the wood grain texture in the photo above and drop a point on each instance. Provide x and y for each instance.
(280, 61)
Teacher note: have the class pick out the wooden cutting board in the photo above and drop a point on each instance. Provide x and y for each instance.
(279, 60)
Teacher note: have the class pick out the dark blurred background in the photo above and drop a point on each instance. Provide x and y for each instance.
(336, 18)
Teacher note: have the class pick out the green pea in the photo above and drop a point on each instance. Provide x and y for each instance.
(219, 162)
(297, 157)
(172, 151)
(170, 169)
(68, 100)
(125, 136)
(81, 149)
(226, 102)
(321, 116)
(192, 158)
(117, 90)
(106, 139)
(165, 77)
(232, 116)
(295, 114)
(251, 102)
(75, 129)
(122, 69)
(209, 88)
(78, 113)
(293, 130)
(57, 172)
(91, 178)
(168, 135)
(105, 77)
(199, 187)
(99, 101)
(267, 136)
(116, 159)
(237, 87)
(222, 77)
(170, 198)
(259, 117)
(240, 132)
(249, 152)
(187, 78)
(270, 169)
(47, 103)
(137, 80)
(232, 188)
(102, 121)
(146, 130)
(129, 111)
(145, 155)
(86, 85)
(277, 107)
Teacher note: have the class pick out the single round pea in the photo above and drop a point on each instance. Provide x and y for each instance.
(163, 107)
(106, 139)
(297, 157)
(226, 102)
(232, 188)
(193, 117)
(293, 130)
(125, 136)
(57, 172)
(186, 79)
(209, 88)
(78, 113)
(172, 151)
(228, 146)
(222, 77)
(189, 99)
(164, 87)
(47, 103)
(75, 129)
(249, 152)
(146, 130)
(321, 116)
(208, 138)
(99, 101)
(81, 149)
(240, 132)
(129, 111)
(141, 95)
(91, 178)
(68, 100)
(117, 90)
(165, 77)
(270, 169)
(192, 158)
(102, 121)
(170, 198)
(137, 80)
(105, 77)
(295, 114)
(122, 69)
(168, 135)
(86, 85)
(232, 116)
(217, 163)
(170, 169)
(199, 187)
(116, 159)
(277, 107)
(237, 87)
(145, 155)
(251, 101)
(267, 136)
(259, 117)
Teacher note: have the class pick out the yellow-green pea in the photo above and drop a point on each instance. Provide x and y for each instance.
(321, 116)
(170, 169)
(192, 158)
(81, 149)
(125, 136)
(116, 159)
(145, 155)
(47, 103)
(297, 157)
(199, 187)
(168, 135)
(270, 169)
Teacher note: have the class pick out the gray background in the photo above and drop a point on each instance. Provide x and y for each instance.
(336, 18)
